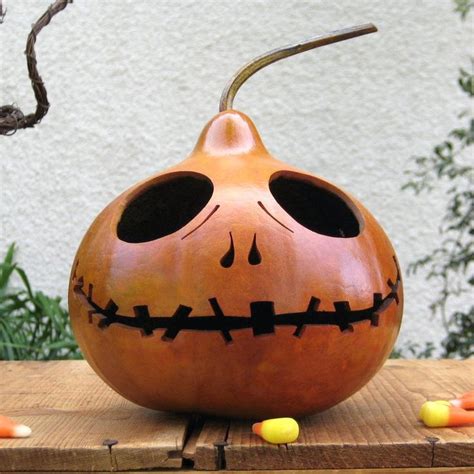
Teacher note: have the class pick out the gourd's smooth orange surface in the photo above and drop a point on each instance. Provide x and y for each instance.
(250, 308)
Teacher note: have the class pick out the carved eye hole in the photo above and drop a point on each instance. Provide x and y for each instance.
(314, 206)
(164, 207)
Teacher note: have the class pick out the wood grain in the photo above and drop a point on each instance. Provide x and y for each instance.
(71, 412)
(376, 428)
(421, 470)
(205, 456)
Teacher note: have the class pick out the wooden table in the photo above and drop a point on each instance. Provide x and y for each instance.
(80, 424)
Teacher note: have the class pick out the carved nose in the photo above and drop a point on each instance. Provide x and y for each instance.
(228, 259)
(254, 255)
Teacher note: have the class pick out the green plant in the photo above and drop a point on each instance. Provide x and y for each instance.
(33, 326)
(450, 264)
(463, 7)
(414, 350)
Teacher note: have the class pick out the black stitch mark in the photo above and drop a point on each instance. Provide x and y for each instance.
(312, 308)
(142, 314)
(262, 318)
(342, 310)
(74, 273)
(176, 322)
(220, 314)
(111, 308)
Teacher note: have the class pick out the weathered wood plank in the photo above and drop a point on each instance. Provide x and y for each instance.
(71, 412)
(448, 453)
(206, 453)
(376, 428)
(422, 470)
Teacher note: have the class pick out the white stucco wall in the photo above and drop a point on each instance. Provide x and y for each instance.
(132, 84)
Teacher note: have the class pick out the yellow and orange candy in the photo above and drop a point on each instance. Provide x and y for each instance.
(277, 430)
(465, 401)
(442, 413)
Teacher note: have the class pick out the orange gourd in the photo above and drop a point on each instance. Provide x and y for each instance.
(235, 284)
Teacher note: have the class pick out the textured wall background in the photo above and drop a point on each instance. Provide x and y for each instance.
(132, 83)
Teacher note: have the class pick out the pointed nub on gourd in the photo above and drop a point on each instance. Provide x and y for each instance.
(230, 133)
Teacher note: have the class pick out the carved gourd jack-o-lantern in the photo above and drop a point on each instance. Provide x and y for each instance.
(235, 284)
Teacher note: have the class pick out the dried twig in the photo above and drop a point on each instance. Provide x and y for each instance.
(11, 117)
(3, 12)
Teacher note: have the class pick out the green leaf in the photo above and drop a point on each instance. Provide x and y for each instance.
(33, 326)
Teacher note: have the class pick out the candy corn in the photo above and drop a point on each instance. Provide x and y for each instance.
(424, 408)
(441, 413)
(277, 430)
(465, 401)
(12, 429)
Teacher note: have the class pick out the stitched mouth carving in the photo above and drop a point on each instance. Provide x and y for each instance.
(262, 318)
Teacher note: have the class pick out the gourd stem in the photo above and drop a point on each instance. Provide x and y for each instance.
(232, 87)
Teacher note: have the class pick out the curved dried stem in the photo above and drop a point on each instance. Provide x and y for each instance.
(2, 12)
(11, 117)
(228, 95)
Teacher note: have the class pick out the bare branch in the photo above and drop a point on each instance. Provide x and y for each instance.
(11, 117)
(3, 12)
